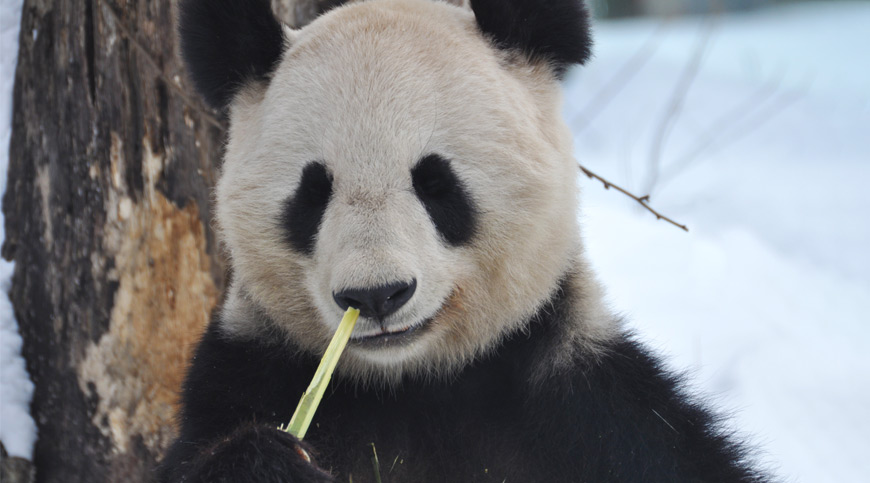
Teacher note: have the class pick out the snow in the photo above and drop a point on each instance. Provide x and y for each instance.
(17, 429)
(765, 300)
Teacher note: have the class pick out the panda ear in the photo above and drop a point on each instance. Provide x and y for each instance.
(228, 43)
(555, 31)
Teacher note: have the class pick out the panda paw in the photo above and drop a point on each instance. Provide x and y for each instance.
(252, 453)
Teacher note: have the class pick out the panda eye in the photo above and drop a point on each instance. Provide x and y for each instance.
(304, 211)
(445, 198)
(431, 184)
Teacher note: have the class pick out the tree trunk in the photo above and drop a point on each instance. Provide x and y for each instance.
(117, 267)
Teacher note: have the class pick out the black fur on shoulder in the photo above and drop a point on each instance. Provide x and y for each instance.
(556, 31)
(618, 416)
(226, 43)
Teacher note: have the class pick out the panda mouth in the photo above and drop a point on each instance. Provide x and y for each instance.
(389, 337)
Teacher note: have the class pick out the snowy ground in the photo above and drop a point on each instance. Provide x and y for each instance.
(765, 300)
(17, 429)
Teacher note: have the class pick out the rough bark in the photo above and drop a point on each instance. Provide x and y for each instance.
(14, 469)
(297, 13)
(112, 160)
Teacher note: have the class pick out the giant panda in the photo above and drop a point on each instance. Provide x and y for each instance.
(408, 158)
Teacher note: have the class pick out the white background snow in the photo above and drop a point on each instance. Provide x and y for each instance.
(766, 299)
(17, 429)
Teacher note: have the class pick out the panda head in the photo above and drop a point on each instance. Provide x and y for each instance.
(405, 157)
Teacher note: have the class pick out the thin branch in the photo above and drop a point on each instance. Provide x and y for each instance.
(643, 200)
(751, 125)
(724, 124)
(619, 80)
(761, 117)
(675, 105)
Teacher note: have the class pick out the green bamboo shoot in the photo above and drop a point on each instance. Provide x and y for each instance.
(304, 413)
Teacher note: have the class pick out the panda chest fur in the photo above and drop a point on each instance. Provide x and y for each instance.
(491, 421)
(474, 427)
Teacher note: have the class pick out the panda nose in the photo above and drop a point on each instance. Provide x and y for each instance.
(377, 302)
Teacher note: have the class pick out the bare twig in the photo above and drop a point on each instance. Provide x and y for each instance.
(643, 200)
(724, 124)
(619, 80)
(665, 421)
(675, 105)
(760, 117)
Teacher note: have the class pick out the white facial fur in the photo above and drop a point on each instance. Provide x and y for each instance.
(367, 90)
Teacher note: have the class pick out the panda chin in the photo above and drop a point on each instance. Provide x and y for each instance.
(392, 337)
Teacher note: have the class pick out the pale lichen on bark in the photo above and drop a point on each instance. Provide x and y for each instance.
(164, 297)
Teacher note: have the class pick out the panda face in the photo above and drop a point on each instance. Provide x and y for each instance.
(398, 162)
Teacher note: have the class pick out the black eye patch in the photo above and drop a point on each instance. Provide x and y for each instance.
(304, 211)
(445, 198)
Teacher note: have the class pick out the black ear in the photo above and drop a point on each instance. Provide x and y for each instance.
(555, 31)
(227, 43)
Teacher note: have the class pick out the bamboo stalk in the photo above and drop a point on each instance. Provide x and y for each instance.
(304, 413)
